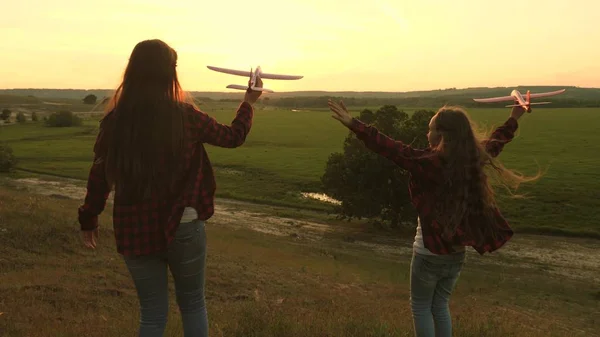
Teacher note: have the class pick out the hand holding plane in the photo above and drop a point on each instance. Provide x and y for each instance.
(517, 97)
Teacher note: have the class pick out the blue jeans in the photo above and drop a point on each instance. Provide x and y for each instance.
(432, 280)
(185, 258)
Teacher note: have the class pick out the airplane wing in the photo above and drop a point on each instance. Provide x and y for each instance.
(280, 77)
(245, 87)
(230, 71)
(495, 99)
(546, 94)
(511, 98)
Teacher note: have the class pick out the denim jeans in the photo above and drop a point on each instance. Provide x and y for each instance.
(185, 258)
(432, 281)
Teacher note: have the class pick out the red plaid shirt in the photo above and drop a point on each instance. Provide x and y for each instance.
(149, 226)
(425, 172)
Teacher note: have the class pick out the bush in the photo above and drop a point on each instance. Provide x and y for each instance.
(369, 185)
(5, 116)
(21, 117)
(90, 99)
(34, 116)
(7, 158)
(63, 119)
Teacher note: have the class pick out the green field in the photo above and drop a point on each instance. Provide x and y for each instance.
(347, 281)
(286, 153)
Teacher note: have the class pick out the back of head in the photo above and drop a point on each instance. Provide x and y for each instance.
(466, 196)
(145, 126)
(458, 142)
(150, 75)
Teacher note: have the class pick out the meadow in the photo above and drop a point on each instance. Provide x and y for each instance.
(286, 152)
(278, 266)
(270, 286)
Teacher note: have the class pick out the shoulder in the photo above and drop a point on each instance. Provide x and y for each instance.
(191, 111)
(431, 165)
(108, 116)
(188, 107)
(104, 132)
(193, 117)
(106, 123)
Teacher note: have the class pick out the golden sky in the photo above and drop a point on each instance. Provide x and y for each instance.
(361, 45)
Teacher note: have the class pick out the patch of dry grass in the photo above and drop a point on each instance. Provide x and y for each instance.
(259, 285)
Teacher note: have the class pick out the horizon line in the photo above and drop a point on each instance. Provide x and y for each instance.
(352, 91)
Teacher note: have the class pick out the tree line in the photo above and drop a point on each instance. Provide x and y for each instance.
(321, 102)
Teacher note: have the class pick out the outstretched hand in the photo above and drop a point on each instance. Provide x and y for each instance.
(518, 111)
(253, 95)
(340, 112)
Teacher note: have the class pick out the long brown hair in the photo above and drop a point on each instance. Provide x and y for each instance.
(466, 196)
(144, 124)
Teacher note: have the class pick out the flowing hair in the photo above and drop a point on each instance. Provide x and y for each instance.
(466, 196)
(144, 124)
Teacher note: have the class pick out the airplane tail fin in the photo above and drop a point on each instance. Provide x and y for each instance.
(237, 86)
(245, 87)
(528, 97)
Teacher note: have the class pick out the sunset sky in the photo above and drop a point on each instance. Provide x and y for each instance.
(375, 45)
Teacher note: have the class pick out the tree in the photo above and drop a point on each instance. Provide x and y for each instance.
(63, 119)
(21, 117)
(34, 116)
(7, 158)
(90, 99)
(369, 185)
(5, 115)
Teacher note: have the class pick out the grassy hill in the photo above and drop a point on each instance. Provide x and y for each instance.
(267, 285)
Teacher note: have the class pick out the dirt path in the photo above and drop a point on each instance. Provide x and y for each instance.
(566, 257)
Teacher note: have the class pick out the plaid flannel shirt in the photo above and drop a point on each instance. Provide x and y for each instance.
(149, 226)
(425, 171)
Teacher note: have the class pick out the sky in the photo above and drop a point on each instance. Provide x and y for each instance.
(356, 45)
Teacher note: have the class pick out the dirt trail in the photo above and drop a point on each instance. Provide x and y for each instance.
(567, 257)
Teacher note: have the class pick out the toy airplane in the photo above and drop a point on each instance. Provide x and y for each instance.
(516, 96)
(254, 75)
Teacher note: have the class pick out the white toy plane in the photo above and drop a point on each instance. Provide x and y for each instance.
(516, 96)
(254, 75)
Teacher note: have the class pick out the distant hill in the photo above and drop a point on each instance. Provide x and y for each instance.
(574, 96)
(78, 94)
(572, 92)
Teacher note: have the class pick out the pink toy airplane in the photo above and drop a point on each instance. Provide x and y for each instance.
(254, 75)
(516, 96)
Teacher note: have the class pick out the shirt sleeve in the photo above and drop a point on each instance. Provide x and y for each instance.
(401, 154)
(98, 190)
(500, 137)
(210, 131)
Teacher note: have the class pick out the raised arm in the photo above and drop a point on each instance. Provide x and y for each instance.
(505, 133)
(210, 131)
(501, 136)
(98, 190)
(402, 154)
